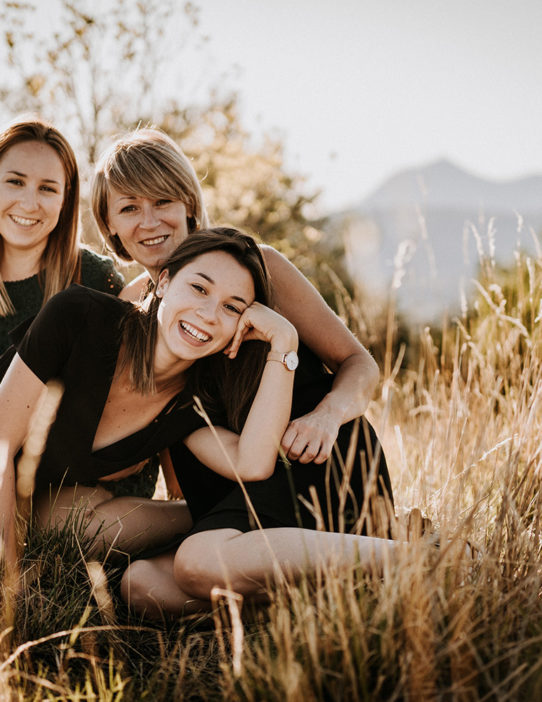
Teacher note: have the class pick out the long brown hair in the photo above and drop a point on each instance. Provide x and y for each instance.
(60, 259)
(145, 163)
(218, 381)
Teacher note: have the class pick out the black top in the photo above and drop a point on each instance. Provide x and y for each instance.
(76, 338)
(97, 272)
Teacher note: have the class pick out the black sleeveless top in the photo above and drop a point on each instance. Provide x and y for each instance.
(76, 339)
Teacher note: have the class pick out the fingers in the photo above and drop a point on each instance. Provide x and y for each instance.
(243, 327)
(306, 447)
(262, 323)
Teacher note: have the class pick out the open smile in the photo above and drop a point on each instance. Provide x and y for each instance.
(23, 221)
(195, 333)
(155, 241)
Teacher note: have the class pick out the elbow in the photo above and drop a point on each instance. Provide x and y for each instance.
(257, 471)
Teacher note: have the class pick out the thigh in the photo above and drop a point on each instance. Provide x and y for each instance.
(341, 495)
(347, 493)
(55, 506)
(201, 554)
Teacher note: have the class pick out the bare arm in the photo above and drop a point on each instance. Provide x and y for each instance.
(19, 393)
(252, 455)
(311, 437)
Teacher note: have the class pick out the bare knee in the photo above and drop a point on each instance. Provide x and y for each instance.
(198, 567)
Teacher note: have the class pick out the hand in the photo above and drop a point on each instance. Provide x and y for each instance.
(310, 438)
(259, 322)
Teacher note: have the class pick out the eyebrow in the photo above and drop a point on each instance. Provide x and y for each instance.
(43, 180)
(233, 297)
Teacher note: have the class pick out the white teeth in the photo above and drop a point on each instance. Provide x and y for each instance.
(200, 336)
(23, 221)
(153, 242)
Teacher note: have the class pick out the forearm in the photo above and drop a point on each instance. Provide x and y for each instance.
(259, 442)
(353, 387)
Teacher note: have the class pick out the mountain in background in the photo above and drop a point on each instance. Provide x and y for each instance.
(423, 230)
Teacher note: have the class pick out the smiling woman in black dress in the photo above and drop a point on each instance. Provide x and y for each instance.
(138, 371)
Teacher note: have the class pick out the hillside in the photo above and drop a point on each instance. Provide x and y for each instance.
(437, 217)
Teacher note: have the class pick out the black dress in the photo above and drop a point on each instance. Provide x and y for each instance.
(76, 338)
(329, 497)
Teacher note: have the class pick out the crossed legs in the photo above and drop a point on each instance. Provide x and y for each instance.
(243, 562)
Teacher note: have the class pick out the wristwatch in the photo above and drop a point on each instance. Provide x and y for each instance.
(288, 359)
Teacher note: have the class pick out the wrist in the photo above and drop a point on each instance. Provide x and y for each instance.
(334, 410)
(288, 359)
(284, 343)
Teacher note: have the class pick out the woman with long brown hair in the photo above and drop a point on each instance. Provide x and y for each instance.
(40, 250)
(129, 376)
(146, 199)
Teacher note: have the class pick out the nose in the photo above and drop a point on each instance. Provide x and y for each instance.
(207, 310)
(149, 219)
(29, 199)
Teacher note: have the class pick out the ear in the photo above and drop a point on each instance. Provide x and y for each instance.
(162, 284)
(191, 223)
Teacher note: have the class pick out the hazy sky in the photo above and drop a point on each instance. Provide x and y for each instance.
(361, 88)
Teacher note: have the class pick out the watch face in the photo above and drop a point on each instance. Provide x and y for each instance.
(291, 360)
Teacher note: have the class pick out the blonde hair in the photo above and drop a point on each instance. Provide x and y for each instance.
(146, 163)
(59, 265)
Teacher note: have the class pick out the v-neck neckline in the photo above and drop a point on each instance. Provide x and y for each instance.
(105, 389)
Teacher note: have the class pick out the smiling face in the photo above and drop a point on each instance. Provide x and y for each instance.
(149, 229)
(200, 307)
(32, 184)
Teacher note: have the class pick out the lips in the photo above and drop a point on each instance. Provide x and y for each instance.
(23, 221)
(155, 241)
(195, 333)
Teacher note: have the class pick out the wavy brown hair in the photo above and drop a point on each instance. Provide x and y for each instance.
(218, 381)
(60, 259)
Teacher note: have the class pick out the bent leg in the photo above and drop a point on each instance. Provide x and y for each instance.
(247, 562)
(129, 524)
(149, 588)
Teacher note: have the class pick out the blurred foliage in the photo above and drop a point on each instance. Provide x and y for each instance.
(91, 68)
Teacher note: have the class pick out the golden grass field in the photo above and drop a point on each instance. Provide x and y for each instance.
(459, 414)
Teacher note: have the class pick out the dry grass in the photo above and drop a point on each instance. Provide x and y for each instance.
(461, 426)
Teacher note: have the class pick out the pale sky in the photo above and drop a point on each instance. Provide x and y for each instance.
(359, 89)
(362, 88)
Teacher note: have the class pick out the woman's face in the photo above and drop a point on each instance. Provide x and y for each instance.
(201, 306)
(32, 184)
(150, 230)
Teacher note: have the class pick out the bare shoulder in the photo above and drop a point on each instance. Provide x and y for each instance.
(300, 302)
(277, 263)
(135, 288)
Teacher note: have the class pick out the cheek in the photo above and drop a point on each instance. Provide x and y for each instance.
(57, 210)
(180, 225)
